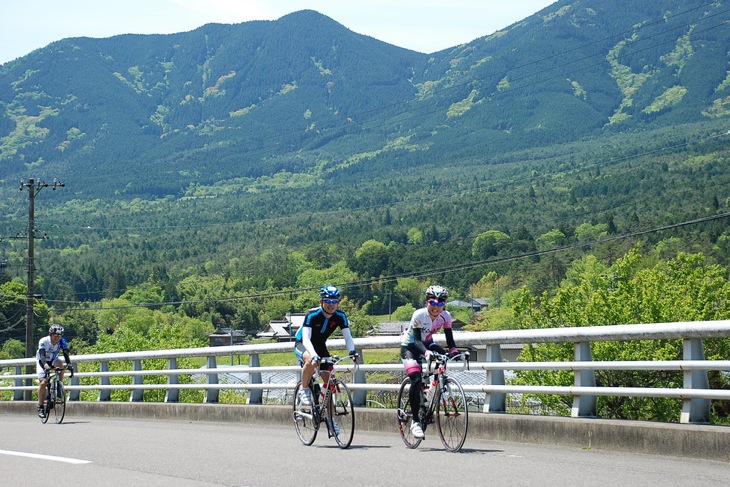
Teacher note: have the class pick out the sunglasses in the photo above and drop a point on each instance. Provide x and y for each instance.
(330, 301)
(433, 302)
(57, 334)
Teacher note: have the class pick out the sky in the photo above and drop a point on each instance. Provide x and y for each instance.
(421, 25)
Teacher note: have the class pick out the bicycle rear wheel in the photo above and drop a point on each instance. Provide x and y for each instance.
(305, 419)
(452, 415)
(405, 416)
(343, 412)
(59, 404)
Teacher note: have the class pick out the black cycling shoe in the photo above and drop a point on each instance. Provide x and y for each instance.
(41, 412)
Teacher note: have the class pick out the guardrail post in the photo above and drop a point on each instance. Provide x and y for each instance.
(74, 394)
(583, 406)
(172, 395)
(104, 394)
(495, 402)
(211, 395)
(255, 396)
(137, 394)
(359, 398)
(18, 394)
(695, 410)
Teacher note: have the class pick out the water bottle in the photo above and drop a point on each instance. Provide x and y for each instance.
(431, 390)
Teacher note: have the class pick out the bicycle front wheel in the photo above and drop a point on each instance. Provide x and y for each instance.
(343, 414)
(405, 416)
(452, 415)
(48, 404)
(46, 408)
(306, 421)
(59, 406)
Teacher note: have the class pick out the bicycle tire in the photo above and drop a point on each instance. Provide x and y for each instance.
(343, 411)
(452, 415)
(405, 416)
(46, 411)
(48, 404)
(59, 404)
(306, 421)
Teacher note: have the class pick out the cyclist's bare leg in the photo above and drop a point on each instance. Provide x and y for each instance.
(307, 369)
(42, 391)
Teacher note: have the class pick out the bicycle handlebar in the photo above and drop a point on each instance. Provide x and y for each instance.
(58, 369)
(443, 358)
(334, 360)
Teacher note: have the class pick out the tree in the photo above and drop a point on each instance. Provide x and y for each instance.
(489, 243)
(403, 313)
(12, 349)
(683, 289)
(415, 236)
(371, 259)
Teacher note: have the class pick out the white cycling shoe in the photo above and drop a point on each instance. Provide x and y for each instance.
(417, 431)
(305, 397)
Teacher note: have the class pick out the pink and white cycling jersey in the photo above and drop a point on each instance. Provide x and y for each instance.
(422, 320)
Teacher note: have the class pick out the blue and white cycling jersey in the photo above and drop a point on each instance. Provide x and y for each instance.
(48, 352)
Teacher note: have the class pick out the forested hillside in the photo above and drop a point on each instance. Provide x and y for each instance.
(216, 177)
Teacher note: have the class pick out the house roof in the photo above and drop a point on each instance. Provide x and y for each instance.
(280, 328)
(227, 332)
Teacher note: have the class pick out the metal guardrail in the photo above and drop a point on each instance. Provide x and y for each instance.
(695, 395)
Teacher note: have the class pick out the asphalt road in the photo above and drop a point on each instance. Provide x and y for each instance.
(127, 453)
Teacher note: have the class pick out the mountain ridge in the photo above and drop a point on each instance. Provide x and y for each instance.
(299, 132)
(286, 79)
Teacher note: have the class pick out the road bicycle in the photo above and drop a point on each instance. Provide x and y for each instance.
(55, 395)
(331, 405)
(442, 402)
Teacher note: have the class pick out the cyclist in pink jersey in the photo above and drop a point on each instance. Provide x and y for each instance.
(417, 344)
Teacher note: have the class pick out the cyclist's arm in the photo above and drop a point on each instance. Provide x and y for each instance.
(450, 338)
(307, 341)
(41, 357)
(349, 342)
(418, 341)
(67, 358)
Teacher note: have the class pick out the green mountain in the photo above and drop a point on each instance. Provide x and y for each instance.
(229, 139)
(303, 94)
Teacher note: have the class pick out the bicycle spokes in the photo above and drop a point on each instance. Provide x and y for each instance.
(306, 418)
(452, 415)
(343, 414)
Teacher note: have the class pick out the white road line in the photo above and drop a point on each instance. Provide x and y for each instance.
(44, 457)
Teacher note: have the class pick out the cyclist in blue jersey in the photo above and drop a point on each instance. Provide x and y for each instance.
(417, 344)
(311, 338)
(49, 347)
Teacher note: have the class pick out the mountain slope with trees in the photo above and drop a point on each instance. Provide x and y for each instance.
(221, 174)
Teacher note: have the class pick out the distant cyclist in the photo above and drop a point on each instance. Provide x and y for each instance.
(311, 338)
(49, 347)
(417, 343)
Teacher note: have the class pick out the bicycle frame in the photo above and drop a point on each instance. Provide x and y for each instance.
(55, 395)
(332, 403)
(446, 407)
(436, 369)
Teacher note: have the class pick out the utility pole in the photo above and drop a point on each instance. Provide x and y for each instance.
(34, 187)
